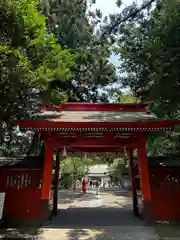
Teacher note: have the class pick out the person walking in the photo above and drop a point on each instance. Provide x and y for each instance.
(84, 189)
(97, 187)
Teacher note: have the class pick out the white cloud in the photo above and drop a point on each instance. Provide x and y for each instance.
(106, 6)
(109, 6)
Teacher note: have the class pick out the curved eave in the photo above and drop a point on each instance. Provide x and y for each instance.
(149, 126)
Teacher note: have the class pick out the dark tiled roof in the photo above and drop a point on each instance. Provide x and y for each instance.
(95, 116)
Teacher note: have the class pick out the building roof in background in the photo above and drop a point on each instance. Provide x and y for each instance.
(99, 169)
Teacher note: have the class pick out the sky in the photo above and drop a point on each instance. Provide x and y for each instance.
(109, 6)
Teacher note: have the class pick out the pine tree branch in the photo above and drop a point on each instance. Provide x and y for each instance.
(133, 14)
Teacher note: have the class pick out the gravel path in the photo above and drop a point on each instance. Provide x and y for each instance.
(90, 217)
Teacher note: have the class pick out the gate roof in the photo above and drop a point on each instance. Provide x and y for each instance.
(96, 117)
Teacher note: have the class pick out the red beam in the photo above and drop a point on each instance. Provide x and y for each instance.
(97, 107)
(84, 141)
(78, 144)
(93, 147)
(83, 136)
(96, 149)
(48, 124)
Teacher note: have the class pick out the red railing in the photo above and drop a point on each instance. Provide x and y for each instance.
(22, 189)
(165, 193)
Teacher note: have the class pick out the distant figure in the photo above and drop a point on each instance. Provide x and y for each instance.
(101, 184)
(90, 183)
(109, 184)
(78, 183)
(84, 183)
(97, 187)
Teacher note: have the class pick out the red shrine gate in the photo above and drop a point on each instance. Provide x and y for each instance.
(87, 128)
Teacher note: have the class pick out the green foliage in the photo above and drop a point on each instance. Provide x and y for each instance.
(118, 168)
(73, 168)
(36, 49)
(78, 29)
(30, 59)
(149, 50)
(127, 98)
(163, 145)
(78, 166)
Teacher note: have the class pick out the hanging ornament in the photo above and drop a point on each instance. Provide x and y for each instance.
(64, 154)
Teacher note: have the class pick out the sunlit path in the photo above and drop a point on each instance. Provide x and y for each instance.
(91, 217)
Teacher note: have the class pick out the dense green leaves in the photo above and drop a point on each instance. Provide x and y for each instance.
(127, 98)
(73, 168)
(118, 168)
(78, 28)
(148, 47)
(149, 50)
(30, 58)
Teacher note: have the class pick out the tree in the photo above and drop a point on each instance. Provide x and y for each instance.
(30, 59)
(73, 168)
(127, 98)
(149, 49)
(79, 29)
(118, 169)
(148, 46)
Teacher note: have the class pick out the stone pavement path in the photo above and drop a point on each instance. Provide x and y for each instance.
(90, 217)
(105, 217)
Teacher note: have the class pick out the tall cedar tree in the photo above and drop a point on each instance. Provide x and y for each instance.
(78, 28)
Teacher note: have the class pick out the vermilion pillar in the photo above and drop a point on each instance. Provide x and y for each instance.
(133, 182)
(56, 190)
(46, 181)
(145, 181)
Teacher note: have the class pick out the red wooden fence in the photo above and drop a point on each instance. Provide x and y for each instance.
(23, 192)
(165, 193)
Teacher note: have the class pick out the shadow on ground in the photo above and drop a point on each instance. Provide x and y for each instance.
(168, 230)
(85, 223)
(80, 197)
(121, 192)
(26, 233)
(93, 217)
(66, 196)
(124, 233)
(103, 222)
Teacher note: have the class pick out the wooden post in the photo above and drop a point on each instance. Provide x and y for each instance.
(133, 182)
(144, 179)
(56, 187)
(46, 180)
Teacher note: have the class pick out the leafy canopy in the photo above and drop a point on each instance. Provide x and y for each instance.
(148, 46)
(30, 59)
(149, 50)
(78, 28)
